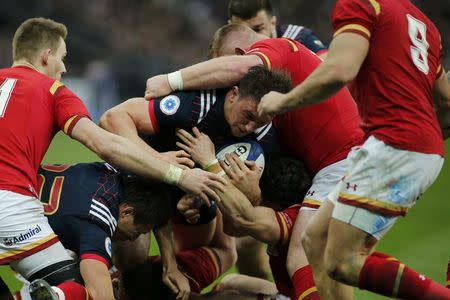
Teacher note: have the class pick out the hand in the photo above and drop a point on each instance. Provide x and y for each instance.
(157, 86)
(177, 282)
(179, 158)
(270, 105)
(189, 207)
(202, 184)
(199, 146)
(244, 175)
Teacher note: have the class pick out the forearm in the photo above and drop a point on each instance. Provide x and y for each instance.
(323, 83)
(220, 72)
(97, 279)
(164, 237)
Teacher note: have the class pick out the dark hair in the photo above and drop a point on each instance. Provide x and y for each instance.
(259, 81)
(36, 34)
(149, 198)
(144, 282)
(247, 9)
(285, 181)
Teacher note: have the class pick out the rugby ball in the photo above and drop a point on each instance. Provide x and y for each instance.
(245, 150)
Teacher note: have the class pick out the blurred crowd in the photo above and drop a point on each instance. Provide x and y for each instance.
(117, 44)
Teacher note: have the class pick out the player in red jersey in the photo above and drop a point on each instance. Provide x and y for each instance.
(34, 105)
(392, 51)
(321, 136)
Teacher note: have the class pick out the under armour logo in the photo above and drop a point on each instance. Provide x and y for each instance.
(350, 186)
(310, 193)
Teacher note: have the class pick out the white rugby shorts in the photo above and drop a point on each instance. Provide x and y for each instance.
(382, 183)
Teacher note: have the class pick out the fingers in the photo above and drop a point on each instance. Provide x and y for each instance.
(185, 162)
(185, 136)
(196, 132)
(183, 146)
(251, 165)
(227, 170)
(238, 161)
(182, 153)
(170, 285)
(212, 194)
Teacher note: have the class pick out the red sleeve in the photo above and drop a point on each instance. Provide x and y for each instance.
(357, 16)
(286, 220)
(95, 256)
(273, 52)
(152, 115)
(69, 109)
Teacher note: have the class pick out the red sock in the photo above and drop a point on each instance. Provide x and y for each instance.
(393, 279)
(74, 291)
(447, 284)
(304, 285)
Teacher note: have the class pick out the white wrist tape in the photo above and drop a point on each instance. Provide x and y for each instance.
(175, 80)
(173, 175)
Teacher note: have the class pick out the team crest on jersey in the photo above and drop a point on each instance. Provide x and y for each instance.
(108, 246)
(169, 104)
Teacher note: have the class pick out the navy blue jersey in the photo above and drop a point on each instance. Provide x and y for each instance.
(204, 109)
(303, 35)
(81, 202)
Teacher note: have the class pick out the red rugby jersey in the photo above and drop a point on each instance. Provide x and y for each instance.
(321, 134)
(33, 107)
(394, 86)
(278, 253)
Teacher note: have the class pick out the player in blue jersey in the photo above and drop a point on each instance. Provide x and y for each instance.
(91, 205)
(258, 15)
(224, 115)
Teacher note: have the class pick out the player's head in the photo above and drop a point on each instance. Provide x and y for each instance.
(285, 181)
(241, 101)
(257, 14)
(229, 39)
(144, 282)
(40, 42)
(144, 204)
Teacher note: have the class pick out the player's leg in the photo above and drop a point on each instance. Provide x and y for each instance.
(252, 258)
(382, 184)
(314, 241)
(247, 284)
(297, 264)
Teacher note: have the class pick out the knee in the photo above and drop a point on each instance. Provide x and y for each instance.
(339, 269)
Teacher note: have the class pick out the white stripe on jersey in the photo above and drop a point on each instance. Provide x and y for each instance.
(262, 131)
(288, 29)
(111, 230)
(296, 32)
(205, 103)
(106, 210)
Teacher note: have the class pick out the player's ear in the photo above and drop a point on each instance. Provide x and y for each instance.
(229, 21)
(273, 20)
(44, 56)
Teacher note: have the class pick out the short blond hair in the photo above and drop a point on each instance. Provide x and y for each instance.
(36, 34)
(221, 36)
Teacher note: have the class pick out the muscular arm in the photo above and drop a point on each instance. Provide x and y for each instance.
(128, 119)
(97, 279)
(442, 102)
(345, 57)
(257, 221)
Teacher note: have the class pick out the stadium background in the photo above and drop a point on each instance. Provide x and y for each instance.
(115, 45)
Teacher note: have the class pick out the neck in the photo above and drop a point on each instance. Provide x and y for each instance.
(24, 63)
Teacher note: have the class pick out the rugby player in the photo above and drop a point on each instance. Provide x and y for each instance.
(34, 105)
(403, 150)
(321, 136)
(258, 15)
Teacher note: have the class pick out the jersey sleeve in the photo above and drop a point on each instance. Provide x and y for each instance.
(311, 41)
(267, 137)
(273, 55)
(69, 109)
(286, 220)
(95, 243)
(176, 110)
(357, 16)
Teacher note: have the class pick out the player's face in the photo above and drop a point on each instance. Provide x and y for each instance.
(242, 117)
(55, 62)
(262, 23)
(127, 229)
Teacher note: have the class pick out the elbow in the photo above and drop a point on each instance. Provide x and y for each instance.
(341, 74)
(107, 119)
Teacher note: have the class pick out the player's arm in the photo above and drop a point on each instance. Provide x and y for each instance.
(442, 102)
(123, 153)
(345, 57)
(218, 72)
(97, 279)
(240, 216)
(172, 276)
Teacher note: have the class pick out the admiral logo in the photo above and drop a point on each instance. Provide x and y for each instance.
(169, 104)
(10, 241)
